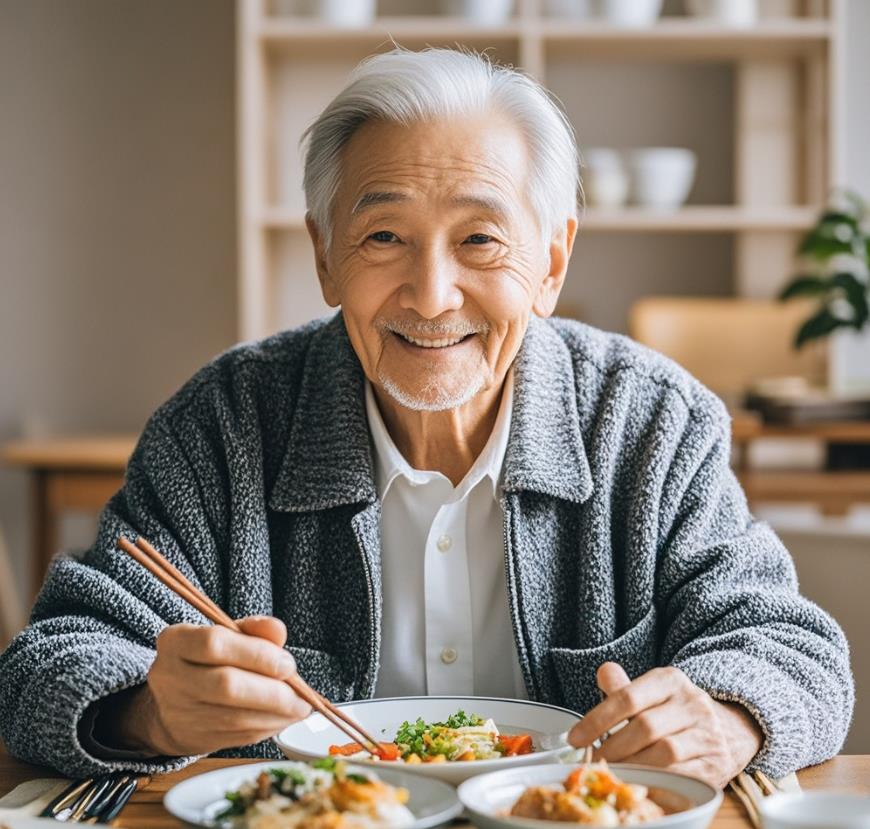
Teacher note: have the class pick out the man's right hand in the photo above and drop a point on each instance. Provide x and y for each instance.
(209, 688)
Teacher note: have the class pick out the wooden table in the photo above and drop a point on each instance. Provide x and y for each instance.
(69, 474)
(145, 810)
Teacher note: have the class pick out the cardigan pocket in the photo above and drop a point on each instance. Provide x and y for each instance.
(574, 668)
(323, 672)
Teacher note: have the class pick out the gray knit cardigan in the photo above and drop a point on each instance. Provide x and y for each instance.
(626, 538)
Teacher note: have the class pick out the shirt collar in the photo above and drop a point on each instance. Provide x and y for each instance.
(390, 463)
(327, 460)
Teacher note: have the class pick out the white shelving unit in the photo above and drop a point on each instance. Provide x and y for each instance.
(758, 106)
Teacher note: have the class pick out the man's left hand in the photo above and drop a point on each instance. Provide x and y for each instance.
(672, 724)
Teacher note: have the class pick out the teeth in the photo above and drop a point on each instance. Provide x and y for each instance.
(443, 343)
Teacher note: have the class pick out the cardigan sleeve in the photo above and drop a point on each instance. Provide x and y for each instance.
(734, 621)
(93, 629)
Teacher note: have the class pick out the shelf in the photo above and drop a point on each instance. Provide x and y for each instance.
(698, 219)
(676, 39)
(419, 30)
(692, 219)
(834, 492)
(686, 39)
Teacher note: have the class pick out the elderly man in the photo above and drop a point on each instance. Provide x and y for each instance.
(438, 490)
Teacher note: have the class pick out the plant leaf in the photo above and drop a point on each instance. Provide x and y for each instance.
(819, 325)
(856, 295)
(804, 286)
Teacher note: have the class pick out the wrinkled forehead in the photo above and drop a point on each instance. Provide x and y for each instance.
(462, 160)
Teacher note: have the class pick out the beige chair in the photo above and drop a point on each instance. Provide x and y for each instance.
(11, 613)
(728, 343)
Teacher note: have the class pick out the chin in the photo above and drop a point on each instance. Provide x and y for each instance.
(434, 396)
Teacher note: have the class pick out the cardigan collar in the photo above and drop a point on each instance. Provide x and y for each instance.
(329, 462)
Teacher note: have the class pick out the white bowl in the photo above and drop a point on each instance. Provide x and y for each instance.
(312, 737)
(630, 14)
(662, 176)
(726, 12)
(488, 796)
(199, 799)
(816, 810)
(480, 12)
(605, 178)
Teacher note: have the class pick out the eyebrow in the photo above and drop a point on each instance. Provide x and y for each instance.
(490, 204)
(371, 199)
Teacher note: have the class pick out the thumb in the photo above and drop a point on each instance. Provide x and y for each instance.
(266, 627)
(611, 677)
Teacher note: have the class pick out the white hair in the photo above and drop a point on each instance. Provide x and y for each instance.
(406, 87)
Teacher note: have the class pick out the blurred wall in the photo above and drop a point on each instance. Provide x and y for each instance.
(117, 215)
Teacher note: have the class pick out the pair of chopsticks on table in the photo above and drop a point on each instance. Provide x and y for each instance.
(175, 580)
(750, 791)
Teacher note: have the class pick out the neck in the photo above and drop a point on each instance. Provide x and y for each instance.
(448, 442)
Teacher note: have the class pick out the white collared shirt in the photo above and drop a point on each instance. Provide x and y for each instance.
(446, 624)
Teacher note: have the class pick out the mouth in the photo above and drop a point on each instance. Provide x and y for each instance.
(440, 343)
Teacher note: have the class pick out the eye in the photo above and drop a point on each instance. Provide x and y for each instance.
(383, 236)
(479, 239)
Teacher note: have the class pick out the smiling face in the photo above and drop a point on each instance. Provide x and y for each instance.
(437, 259)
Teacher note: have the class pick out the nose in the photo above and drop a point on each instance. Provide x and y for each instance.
(431, 287)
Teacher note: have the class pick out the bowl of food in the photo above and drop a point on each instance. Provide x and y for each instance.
(596, 794)
(449, 738)
(325, 793)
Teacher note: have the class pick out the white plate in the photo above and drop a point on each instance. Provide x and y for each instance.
(485, 797)
(198, 799)
(312, 737)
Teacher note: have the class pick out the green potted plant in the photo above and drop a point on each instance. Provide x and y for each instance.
(835, 257)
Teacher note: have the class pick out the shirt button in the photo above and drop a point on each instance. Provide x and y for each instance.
(448, 655)
(444, 543)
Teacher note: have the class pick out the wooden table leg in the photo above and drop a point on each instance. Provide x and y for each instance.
(44, 530)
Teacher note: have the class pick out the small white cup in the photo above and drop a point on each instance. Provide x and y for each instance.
(629, 13)
(570, 9)
(815, 810)
(348, 13)
(661, 177)
(739, 13)
(480, 12)
(605, 178)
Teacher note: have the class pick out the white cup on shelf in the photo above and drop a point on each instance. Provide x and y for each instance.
(738, 13)
(568, 9)
(480, 12)
(629, 14)
(661, 177)
(605, 177)
(349, 13)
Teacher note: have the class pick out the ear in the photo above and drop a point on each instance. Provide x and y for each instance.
(327, 287)
(561, 246)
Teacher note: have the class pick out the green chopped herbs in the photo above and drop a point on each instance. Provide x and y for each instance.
(462, 720)
(325, 764)
(358, 778)
(428, 740)
(237, 806)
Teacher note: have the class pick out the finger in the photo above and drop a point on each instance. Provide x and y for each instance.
(243, 689)
(220, 646)
(645, 729)
(225, 719)
(611, 677)
(652, 688)
(703, 768)
(676, 747)
(266, 627)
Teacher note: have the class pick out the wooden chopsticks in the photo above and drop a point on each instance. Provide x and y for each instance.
(176, 581)
(750, 791)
